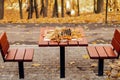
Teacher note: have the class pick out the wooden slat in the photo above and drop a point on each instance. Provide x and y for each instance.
(63, 43)
(73, 43)
(110, 52)
(83, 42)
(11, 54)
(29, 54)
(20, 54)
(42, 42)
(116, 45)
(92, 52)
(101, 51)
(117, 35)
(5, 48)
(52, 43)
(41, 39)
(4, 43)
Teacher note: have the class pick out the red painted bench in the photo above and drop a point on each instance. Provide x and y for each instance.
(105, 52)
(19, 55)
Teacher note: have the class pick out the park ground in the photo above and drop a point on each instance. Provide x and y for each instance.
(45, 65)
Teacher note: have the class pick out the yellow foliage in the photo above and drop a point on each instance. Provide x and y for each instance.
(35, 65)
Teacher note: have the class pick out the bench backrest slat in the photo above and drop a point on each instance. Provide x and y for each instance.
(4, 44)
(116, 41)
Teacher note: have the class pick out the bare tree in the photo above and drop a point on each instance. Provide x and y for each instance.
(36, 8)
(62, 8)
(55, 9)
(32, 5)
(20, 6)
(30, 9)
(1, 9)
(44, 8)
(78, 7)
(98, 6)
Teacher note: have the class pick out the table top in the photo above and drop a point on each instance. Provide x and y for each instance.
(42, 42)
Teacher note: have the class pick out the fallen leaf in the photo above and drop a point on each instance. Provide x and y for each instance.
(94, 64)
(17, 43)
(107, 79)
(112, 65)
(108, 73)
(86, 56)
(94, 43)
(118, 74)
(36, 65)
(2, 66)
(72, 62)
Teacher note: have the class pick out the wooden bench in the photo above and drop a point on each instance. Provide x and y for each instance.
(105, 52)
(19, 55)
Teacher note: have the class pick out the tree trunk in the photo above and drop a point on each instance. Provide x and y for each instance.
(1, 9)
(20, 7)
(30, 9)
(106, 11)
(55, 9)
(62, 8)
(78, 7)
(36, 8)
(98, 6)
(44, 8)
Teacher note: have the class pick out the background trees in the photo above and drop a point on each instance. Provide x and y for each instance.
(31, 9)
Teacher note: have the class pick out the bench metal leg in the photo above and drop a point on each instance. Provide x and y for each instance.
(62, 62)
(100, 67)
(21, 69)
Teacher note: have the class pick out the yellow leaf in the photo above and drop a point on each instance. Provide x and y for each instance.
(36, 65)
(2, 66)
(108, 73)
(112, 65)
(93, 64)
(118, 74)
(17, 43)
(72, 62)
(107, 79)
(86, 56)
(94, 43)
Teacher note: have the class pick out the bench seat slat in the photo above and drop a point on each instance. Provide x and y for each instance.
(101, 51)
(92, 52)
(110, 52)
(29, 54)
(20, 54)
(11, 54)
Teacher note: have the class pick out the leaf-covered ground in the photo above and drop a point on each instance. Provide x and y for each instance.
(11, 15)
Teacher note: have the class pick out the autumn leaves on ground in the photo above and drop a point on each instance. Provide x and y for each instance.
(12, 15)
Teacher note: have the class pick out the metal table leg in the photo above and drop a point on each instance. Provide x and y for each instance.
(21, 69)
(100, 67)
(62, 62)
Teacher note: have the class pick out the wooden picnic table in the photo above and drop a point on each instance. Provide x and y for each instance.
(42, 43)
